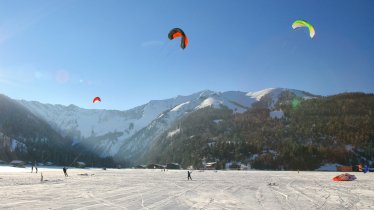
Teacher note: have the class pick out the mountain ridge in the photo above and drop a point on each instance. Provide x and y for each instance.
(25, 136)
(267, 129)
(107, 131)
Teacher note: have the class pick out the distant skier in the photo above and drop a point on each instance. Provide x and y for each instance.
(189, 175)
(36, 168)
(32, 168)
(366, 169)
(65, 171)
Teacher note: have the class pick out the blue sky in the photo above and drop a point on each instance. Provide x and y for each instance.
(68, 52)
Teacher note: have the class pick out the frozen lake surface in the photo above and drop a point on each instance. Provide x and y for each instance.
(154, 189)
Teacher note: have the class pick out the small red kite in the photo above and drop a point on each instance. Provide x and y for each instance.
(96, 99)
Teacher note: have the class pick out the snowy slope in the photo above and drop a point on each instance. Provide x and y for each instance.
(109, 131)
(97, 125)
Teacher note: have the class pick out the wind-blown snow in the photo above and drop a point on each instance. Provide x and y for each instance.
(154, 189)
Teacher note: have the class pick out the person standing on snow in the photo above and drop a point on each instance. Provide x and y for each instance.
(65, 171)
(189, 175)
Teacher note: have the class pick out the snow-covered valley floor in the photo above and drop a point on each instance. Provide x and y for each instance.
(154, 189)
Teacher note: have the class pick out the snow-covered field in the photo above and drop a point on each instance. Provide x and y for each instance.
(155, 189)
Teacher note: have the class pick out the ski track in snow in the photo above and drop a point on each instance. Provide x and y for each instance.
(155, 189)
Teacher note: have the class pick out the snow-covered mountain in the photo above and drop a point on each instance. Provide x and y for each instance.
(128, 133)
(28, 137)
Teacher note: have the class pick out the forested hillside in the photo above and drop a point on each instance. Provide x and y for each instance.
(24, 136)
(309, 133)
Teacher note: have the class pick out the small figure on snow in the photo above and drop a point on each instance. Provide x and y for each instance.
(189, 175)
(35, 166)
(65, 171)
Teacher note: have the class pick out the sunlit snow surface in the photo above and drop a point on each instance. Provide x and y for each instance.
(154, 189)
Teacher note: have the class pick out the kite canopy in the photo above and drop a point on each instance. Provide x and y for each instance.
(344, 177)
(177, 32)
(303, 23)
(96, 99)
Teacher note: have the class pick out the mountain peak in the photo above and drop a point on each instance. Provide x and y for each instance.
(106, 131)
